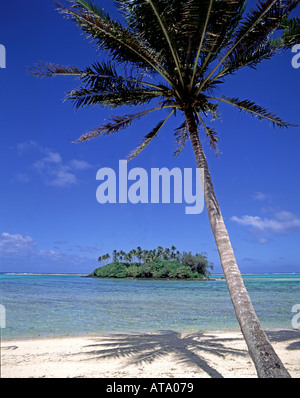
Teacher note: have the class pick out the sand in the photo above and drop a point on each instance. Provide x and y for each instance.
(156, 355)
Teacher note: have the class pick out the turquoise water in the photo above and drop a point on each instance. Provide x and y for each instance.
(59, 305)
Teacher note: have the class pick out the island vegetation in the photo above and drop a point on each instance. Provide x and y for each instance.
(166, 263)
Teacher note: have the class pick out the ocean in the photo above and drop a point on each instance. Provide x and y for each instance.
(72, 305)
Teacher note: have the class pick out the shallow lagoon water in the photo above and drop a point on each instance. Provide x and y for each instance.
(60, 305)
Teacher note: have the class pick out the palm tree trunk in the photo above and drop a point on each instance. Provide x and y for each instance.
(266, 361)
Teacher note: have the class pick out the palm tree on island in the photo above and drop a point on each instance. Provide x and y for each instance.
(103, 257)
(188, 48)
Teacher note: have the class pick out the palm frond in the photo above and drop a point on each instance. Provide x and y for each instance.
(102, 85)
(291, 34)
(106, 73)
(254, 110)
(257, 45)
(149, 137)
(89, 97)
(89, 6)
(49, 70)
(214, 110)
(211, 134)
(117, 123)
(156, 21)
(250, 57)
(111, 36)
(224, 19)
(181, 134)
(259, 23)
(93, 8)
(262, 21)
(204, 27)
(164, 28)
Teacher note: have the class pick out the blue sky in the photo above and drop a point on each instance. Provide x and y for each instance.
(50, 220)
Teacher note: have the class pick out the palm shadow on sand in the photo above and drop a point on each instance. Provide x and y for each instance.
(139, 348)
(286, 335)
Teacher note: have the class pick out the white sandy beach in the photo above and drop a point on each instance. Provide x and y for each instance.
(157, 355)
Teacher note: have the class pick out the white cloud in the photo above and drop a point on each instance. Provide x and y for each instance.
(19, 252)
(62, 177)
(26, 146)
(287, 216)
(54, 171)
(51, 166)
(52, 157)
(262, 241)
(16, 244)
(260, 196)
(79, 164)
(282, 222)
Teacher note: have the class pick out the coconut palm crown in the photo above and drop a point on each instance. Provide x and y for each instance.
(172, 55)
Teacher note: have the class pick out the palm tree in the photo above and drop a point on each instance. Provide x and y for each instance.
(166, 253)
(133, 254)
(152, 254)
(145, 255)
(159, 251)
(104, 257)
(178, 53)
(121, 255)
(128, 257)
(173, 253)
(178, 256)
(115, 256)
(139, 253)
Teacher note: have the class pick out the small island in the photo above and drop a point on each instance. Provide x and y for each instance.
(158, 263)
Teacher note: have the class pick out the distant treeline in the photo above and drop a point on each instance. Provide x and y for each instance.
(156, 263)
